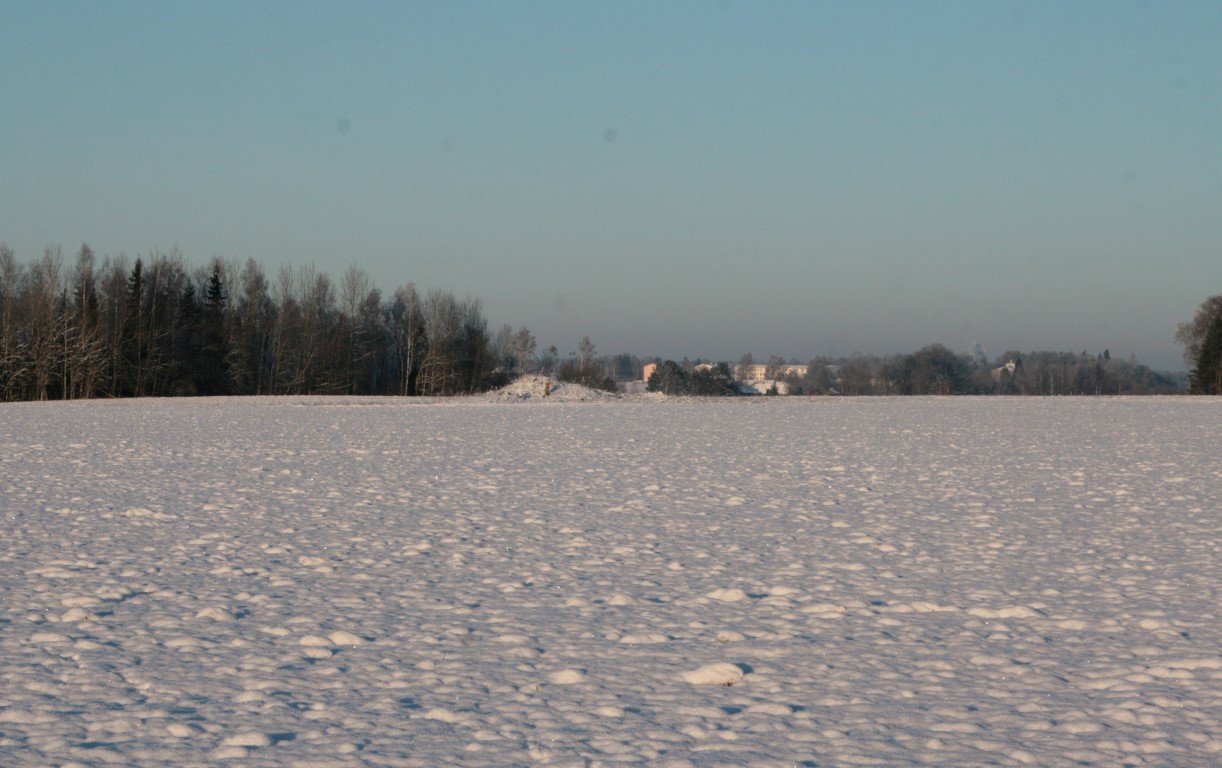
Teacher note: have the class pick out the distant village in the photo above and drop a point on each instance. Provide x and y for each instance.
(753, 379)
(932, 370)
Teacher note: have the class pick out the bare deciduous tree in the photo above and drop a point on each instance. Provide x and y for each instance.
(405, 325)
(14, 347)
(46, 321)
(442, 326)
(85, 356)
(524, 345)
(353, 287)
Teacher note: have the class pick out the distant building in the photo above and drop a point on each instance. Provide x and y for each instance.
(1005, 373)
(756, 376)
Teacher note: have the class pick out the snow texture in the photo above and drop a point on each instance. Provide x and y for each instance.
(812, 582)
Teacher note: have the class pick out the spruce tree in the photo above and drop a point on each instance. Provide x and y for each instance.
(213, 376)
(1206, 378)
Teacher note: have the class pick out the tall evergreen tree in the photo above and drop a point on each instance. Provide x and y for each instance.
(1206, 378)
(1191, 335)
(213, 368)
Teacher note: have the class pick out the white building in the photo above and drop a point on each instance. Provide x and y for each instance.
(756, 376)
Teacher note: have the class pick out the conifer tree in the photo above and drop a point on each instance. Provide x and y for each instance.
(1206, 378)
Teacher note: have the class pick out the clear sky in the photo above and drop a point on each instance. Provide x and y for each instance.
(696, 179)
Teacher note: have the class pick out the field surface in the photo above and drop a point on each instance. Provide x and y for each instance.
(773, 582)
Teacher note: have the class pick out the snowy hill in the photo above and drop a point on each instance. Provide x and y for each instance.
(536, 388)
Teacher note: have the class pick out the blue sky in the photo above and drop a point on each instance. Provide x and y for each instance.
(679, 178)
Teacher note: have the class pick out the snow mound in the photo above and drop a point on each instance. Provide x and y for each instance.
(720, 673)
(537, 388)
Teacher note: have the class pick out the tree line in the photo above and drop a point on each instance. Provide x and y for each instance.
(156, 327)
(698, 380)
(937, 370)
(932, 370)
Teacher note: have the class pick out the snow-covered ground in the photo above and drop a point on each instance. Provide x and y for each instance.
(810, 582)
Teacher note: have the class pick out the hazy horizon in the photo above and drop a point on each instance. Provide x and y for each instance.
(699, 179)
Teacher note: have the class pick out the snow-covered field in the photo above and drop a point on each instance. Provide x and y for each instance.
(811, 582)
